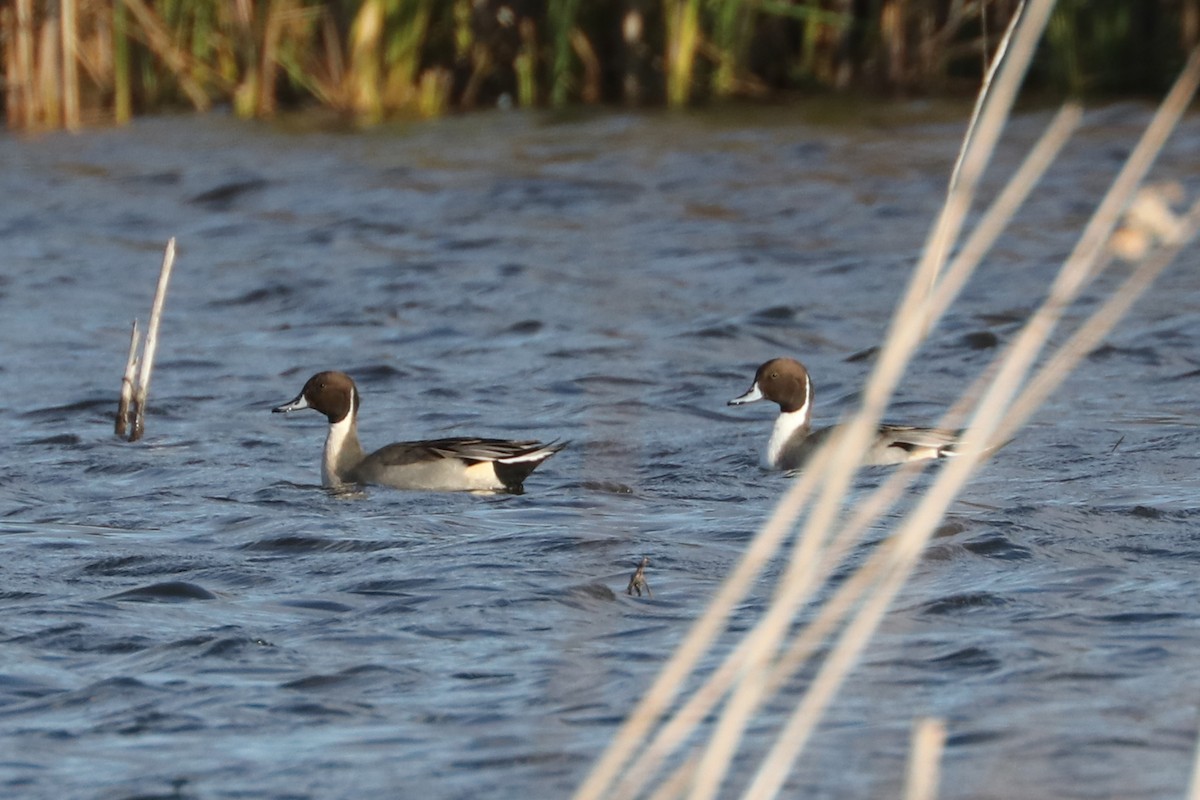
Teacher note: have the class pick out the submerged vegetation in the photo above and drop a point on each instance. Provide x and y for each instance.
(72, 62)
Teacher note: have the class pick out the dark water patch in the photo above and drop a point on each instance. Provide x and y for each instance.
(717, 332)
(233, 647)
(224, 196)
(1157, 552)
(375, 373)
(774, 315)
(83, 639)
(1145, 512)
(166, 177)
(999, 547)
(117, 565)
(58, 440)
(950, 527)
(867, 354)
(123, 691)
(1139, 618)
(398, 587)
(456, 633)
(976, 738)
(526, 327)
(89, 406)
(354, 676)
(143, 565)
(318, 710)
(318, 605)
(153, 722)
(979, 340)
(603, 487)
(57, 630)
(498, 678)
(277, 294)
(316, 544)
(591, 591)
(322, 237)
(599, 353)
(17, 688)
(1005, 317)
(523, 759)
(460, 244)
(188, 365)
(435, 333)
(711, 211)
(1148, 356)
(524, 194)
(363, 225)
(406, 605)
(18, 596)
(1086, 676)
(964, 603)
(166, 592)
(970, 659)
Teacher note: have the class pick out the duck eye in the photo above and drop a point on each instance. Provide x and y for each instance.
(774, 375)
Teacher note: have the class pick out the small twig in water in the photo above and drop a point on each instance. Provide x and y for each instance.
(637, 582)
(1118, 444)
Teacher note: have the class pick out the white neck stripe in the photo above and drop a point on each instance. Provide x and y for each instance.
(335, 441)
(789, 424)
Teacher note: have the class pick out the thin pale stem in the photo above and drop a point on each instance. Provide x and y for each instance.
(151, 347)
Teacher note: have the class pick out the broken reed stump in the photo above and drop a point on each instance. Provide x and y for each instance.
(131, 411)
(127, 384)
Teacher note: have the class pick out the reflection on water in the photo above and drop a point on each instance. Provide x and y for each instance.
(193, 614)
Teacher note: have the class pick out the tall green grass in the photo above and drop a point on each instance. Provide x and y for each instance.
(376, 58)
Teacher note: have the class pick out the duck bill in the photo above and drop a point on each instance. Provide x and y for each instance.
(753, 395)
(300, 402)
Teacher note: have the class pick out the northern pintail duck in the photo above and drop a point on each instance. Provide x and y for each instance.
(446, 465)
(785, 381)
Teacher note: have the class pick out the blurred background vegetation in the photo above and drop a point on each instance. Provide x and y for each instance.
(69, 63)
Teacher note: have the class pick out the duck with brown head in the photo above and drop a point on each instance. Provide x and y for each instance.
(785, 382)
(451, 464)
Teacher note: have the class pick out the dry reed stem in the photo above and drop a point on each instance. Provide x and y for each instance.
(985, 233)
(70, 65)
(928, 742)
(123, 416)
(1135, 169)
(851, 441)
(903, 337)
(48, 108)
(1194, 787)
(898, 556)
(907, 544)
(268, 61)
(799, 587)
(159, 39)
(989, 75)
(1092, 331)
(24, 60)
(151, 346)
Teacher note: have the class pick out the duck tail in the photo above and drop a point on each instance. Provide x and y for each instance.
(513, 470)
